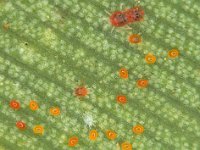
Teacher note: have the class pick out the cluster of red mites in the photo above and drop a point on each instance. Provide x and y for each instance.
(122, 18)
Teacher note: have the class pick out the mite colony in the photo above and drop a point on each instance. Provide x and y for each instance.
(121, 19)
(117, 19)
(72, 141)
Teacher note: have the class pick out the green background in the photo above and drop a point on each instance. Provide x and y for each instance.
(52, 47)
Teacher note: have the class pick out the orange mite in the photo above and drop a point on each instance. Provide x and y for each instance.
(123, 73)
(126, 146)
(81, 91)
(93, 135)
(138, 129)
(73, 141)
(21, 125)
(38, 129)
(14, 104)
(173, 53)
(33, 105)
(111, 134)
(135, 39)
(54, 111)
(150, 58)
(142, 83)
(121, 99)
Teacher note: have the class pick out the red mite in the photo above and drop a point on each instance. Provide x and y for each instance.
(122, 18)
(81, 91)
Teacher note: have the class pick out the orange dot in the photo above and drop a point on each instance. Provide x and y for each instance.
(81, 91)
(150, 58)
(123, 73)
(55, 111)
(14, 104)
(93, 135)
(21, 125)
(33, 105)
(126, 146)
(135, 38)
(173, 53)
(111, 134)
(121, 99)
(73, 141)
(142, 83)
(138, 129)
(38, 129)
